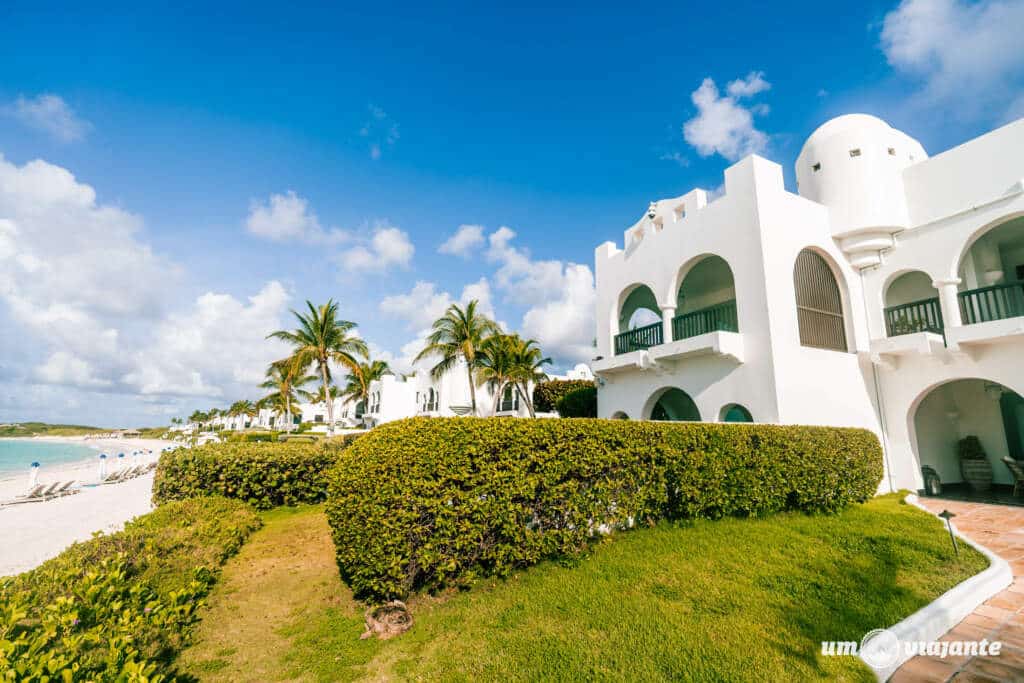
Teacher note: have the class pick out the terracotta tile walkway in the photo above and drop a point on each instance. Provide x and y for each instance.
(999, 528)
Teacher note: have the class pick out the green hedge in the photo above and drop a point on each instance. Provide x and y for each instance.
(424, 503)
(581, 402)
(264, 475)
(546, 394)
(118, 607)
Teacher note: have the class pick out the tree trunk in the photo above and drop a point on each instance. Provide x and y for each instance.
(472, 386)
(497, 400)
(529, 403)
(327, 395)
(288, 409)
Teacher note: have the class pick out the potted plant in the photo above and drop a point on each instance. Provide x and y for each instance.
(974, 464)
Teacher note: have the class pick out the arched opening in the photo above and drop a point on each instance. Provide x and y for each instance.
(734, 412)
(951, 412)
(619, 415)
(819, 303)
(991, 273)
(706, 300)
(509, 399)
(675, 405)
(639, 321)
(912, 305)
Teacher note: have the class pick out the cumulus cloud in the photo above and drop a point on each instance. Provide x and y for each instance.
(559, 297)
(723, 124)
(963, 53)
(388, 246)
(424, 303)
(89, 301)
(464, 242)
(288, 217)
(380, 131)
(49, 114)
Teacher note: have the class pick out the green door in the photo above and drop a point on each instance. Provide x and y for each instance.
(1012, 406)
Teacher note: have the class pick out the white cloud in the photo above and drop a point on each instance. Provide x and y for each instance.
(66, 369)
(965, 54)
(424, 303)
(678, 158)
(559, 297)
(388, 247)
(50, 114)
(723, 125)
(288, 217)
(464, 242)
(380, 131)
(217, 348)
(753, 84)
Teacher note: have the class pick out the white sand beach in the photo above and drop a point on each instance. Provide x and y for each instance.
(31, 533)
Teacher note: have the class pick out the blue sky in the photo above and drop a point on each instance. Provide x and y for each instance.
(304, 152)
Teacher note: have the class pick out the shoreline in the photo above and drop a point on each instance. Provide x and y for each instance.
(31, 533)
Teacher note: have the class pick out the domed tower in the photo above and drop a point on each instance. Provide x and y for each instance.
(854, 165)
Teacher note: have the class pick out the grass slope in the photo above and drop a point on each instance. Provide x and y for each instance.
(44, 429)
(726, 600)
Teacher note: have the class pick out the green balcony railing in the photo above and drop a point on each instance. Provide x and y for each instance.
(917, 316)
(718, 318)
(638, 338)
(997, 302)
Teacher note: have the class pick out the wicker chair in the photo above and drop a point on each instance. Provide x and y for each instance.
(1016, 468)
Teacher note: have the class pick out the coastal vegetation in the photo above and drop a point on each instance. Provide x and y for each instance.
(731, 599)
(428, 503)
(120, 606)
(21, 429)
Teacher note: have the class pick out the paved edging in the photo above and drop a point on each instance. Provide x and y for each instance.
(934, 620)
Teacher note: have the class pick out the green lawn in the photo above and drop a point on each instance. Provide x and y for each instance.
(727, 600)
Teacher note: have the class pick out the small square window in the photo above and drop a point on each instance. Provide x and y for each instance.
(892, 151)
(816, 167)
(680, 212)
(854, 152)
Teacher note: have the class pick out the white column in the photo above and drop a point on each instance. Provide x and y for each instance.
(667, 313)
(949, 302)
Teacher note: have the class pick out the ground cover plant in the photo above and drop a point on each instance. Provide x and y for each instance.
(428, 502)
(546, 394)
(264, 475)
(731, 599)
(119, 606)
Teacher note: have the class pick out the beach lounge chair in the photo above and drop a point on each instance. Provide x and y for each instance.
(34, 494)
(114, 476)
(65, 489)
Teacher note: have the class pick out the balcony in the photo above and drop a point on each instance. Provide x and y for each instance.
(917, 316)
(718, 318)
(638, 339)
(998, 302)
(990, 315)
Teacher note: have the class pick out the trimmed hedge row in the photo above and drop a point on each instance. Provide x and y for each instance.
(581, 402)
(547, 394)
(119, 607)
(264, 475)
(425, 503)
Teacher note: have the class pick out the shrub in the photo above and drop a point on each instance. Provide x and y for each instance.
(546, 394)
(425, 503)
(263, 474)
(118, 607)
(581, 402)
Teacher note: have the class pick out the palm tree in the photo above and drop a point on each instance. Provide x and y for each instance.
(320, 339)
(527, 367)
(458, 335)
(496, 366)
(286, 385)
(357, 385)
(243, 408)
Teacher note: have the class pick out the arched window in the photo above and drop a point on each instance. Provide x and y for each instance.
(734, 412)
(675, 404)
(819, 303)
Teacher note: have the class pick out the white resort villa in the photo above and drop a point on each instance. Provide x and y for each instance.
(886, 293)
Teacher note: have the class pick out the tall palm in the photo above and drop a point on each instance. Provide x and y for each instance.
(285, 382)
(458, 335)
(495, 366)
(320, 339)
(357, 385)
(243, 409)
(527, 367)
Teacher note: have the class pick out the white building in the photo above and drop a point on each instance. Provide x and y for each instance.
(885, 294)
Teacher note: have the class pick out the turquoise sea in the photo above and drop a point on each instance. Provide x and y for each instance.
(17, 455)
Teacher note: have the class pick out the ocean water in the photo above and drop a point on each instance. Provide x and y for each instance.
(17, 455)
